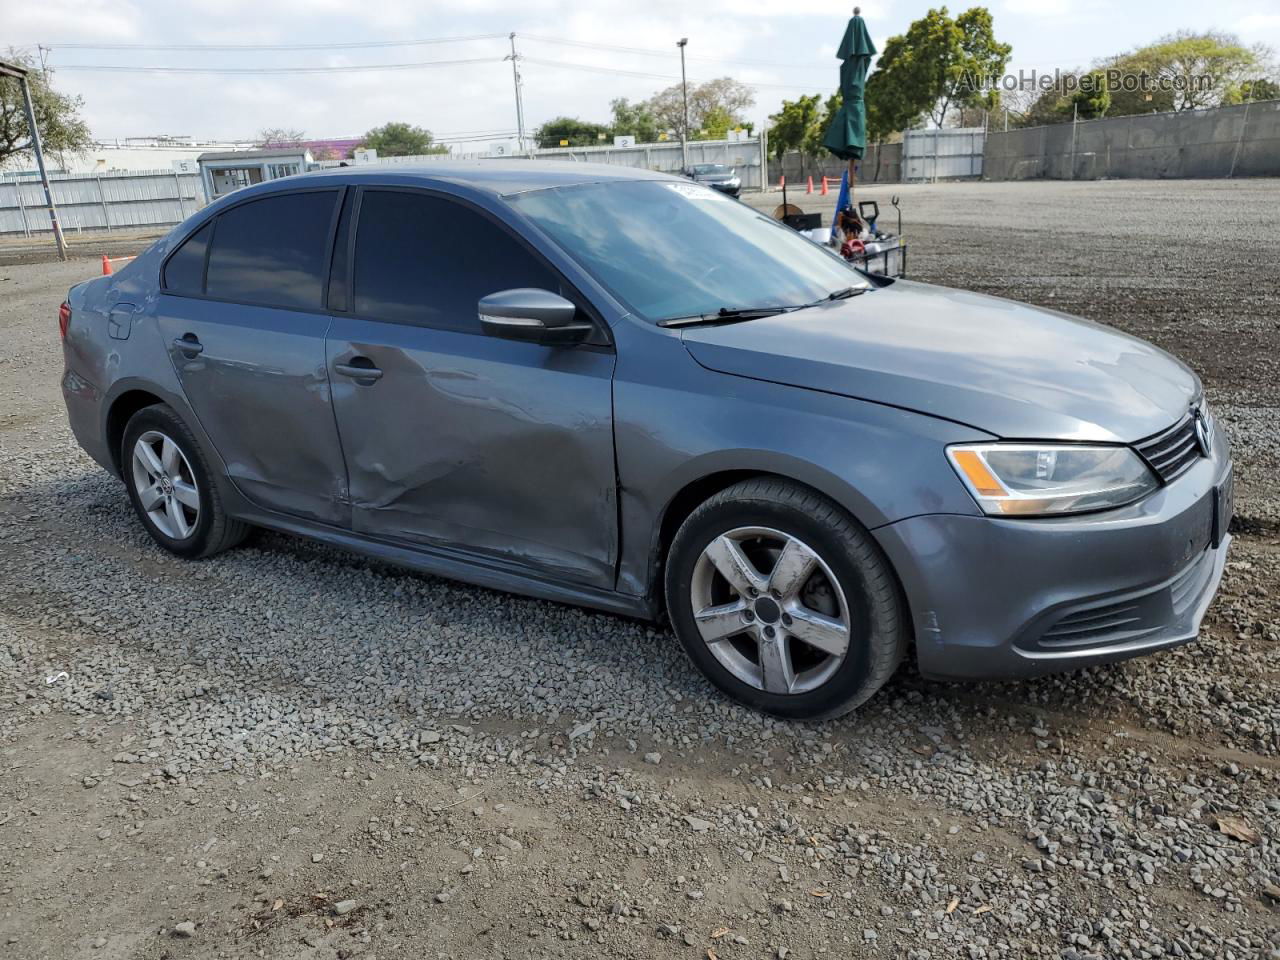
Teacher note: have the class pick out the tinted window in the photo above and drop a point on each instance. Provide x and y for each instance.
(184, 271)
(273, 251)
(427, 261)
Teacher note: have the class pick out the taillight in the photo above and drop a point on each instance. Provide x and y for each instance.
(64, 318)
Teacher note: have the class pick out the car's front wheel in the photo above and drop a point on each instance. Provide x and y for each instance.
(784, 601)
(171, 487)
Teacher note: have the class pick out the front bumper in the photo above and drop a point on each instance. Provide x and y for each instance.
(993, 597)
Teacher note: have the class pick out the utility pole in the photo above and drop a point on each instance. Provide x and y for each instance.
(20, 74)
(684, 86)
(515, 76)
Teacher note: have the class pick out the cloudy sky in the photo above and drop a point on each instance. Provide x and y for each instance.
(784, 48)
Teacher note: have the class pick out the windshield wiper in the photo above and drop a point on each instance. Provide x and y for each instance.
(844, 293)
(726, 315)
(734, 314)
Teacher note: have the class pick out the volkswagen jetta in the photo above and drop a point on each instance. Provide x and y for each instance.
(624, 390)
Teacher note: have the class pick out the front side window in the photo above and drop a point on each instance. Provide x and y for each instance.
(671, 249)
(427, 260)
(274, 251)
(184, 271)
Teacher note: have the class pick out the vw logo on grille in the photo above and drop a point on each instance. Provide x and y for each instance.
(1204, 432)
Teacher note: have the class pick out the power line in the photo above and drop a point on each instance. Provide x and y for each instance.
(353, 45)
(379, 44)
(244, 71)
(654, 76)
(652, 52)
(375, 67)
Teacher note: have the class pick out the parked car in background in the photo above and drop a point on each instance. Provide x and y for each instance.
(718, 176)
(619, 389)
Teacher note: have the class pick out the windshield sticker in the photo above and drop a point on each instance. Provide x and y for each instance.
(695, 192)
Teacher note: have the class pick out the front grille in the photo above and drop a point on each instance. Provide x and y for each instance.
(1172, 452)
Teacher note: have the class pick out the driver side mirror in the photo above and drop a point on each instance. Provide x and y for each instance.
(532, 315)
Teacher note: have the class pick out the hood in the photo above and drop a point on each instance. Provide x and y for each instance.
(715, 177)
(1013, 370)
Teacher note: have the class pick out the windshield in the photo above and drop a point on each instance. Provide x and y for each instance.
(711, 168)
(676, 249)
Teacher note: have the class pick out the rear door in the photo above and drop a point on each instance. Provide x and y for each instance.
(242, 313)
(456, 439)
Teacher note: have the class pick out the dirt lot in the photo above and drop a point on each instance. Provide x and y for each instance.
(288, 751)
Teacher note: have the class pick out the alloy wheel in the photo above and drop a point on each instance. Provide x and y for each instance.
(165, 485)
(770, 610)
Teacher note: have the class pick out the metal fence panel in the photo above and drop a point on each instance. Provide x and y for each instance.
(1236, 141)
(952, 153)
(116, 200)
(882, 163)
(744, 155)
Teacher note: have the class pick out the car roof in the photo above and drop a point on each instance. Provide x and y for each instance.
(501, 178)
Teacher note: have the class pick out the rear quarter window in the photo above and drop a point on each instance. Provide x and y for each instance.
(184, 271)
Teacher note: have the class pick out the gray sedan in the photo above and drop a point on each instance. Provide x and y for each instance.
(717, 176)
(624, 390)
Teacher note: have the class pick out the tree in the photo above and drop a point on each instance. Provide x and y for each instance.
(1076, 95)
(400, 140)
(579, 133)
(280, 137)
(633, 120)
(1259, 89)
(57, 114)
(715, 125)
(712, 99)
(1184, 71)
(798, 126)
(938, 64)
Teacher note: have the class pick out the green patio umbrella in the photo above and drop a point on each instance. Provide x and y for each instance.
(847, 135)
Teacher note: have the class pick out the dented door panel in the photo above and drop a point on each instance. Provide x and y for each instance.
(259, 386)
(498, 448)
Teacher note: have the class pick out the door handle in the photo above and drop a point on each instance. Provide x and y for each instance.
(189, 344)
(359, 369)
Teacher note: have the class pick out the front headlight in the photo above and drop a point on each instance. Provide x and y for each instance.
(1020, 479)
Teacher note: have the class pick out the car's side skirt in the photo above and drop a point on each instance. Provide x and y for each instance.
(456, 565)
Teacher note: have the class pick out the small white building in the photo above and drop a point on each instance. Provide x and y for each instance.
(228, 171)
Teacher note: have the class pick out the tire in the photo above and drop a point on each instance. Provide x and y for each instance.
(815, 571)
(188, 519)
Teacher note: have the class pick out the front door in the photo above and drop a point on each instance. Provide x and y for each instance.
(241, 315)
(455, 439)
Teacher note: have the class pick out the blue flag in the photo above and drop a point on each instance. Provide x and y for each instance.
(842, 201)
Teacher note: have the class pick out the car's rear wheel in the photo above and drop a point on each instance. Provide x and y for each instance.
(784, 601)
(171, 487)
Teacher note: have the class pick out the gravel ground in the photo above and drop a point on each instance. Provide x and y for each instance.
(289, 751)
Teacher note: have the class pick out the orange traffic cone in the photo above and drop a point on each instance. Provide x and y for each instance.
(782, 181)
(824, 186)
(810, 187)
(106, 266)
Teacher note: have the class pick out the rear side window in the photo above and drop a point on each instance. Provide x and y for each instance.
(426, 261)
(184, 271)
(273, 251)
